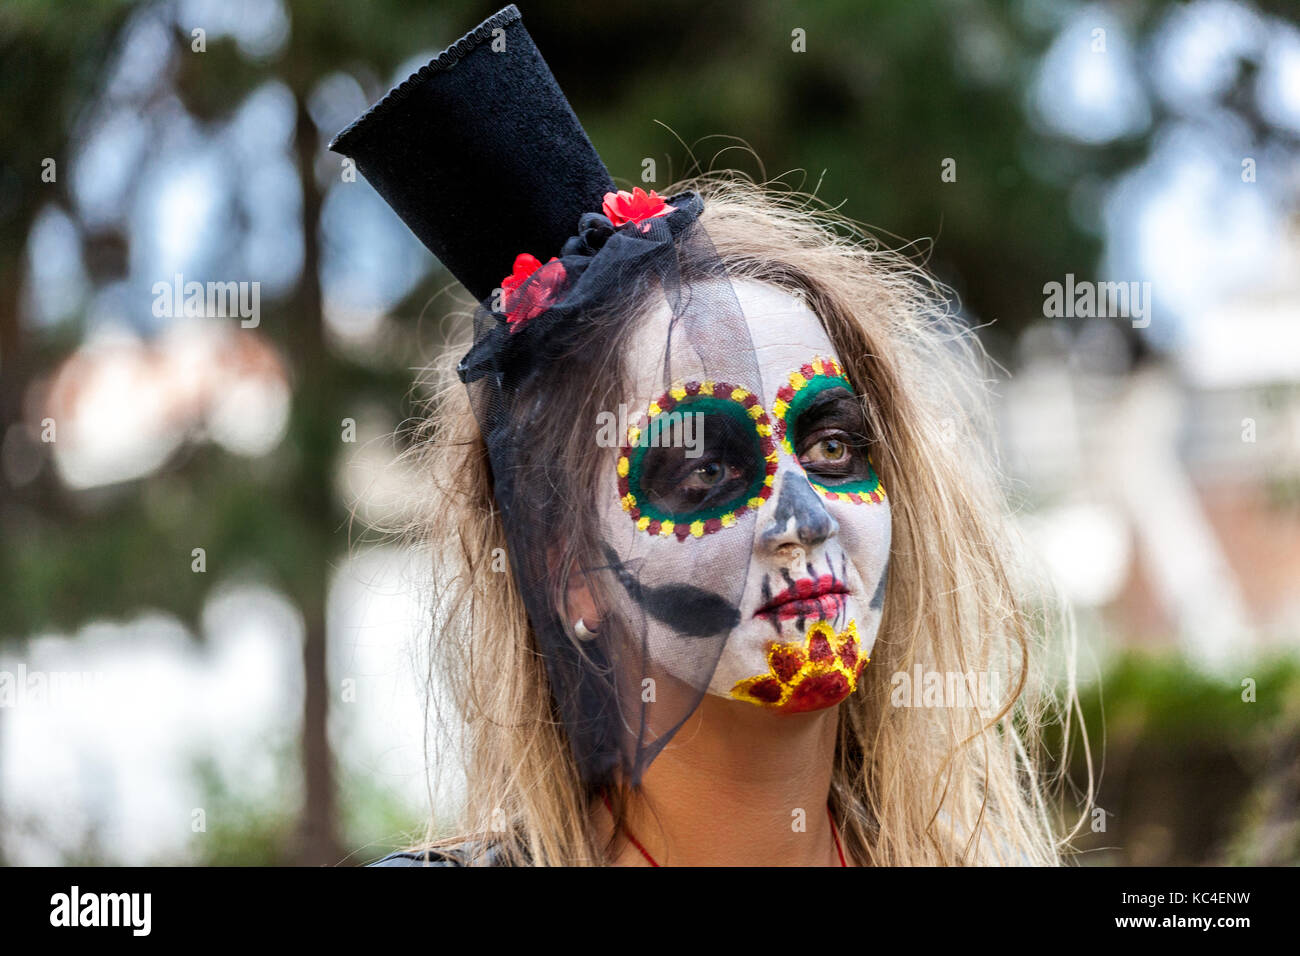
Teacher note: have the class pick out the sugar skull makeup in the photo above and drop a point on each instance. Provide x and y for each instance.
(678, 488)
(778, 490)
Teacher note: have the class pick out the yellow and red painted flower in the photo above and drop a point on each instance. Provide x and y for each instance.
(540, 286)
(818, 673)
(636, 206)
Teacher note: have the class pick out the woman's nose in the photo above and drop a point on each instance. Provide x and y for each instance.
(799, 517)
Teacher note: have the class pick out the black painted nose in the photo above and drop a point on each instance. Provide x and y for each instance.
(800, 515)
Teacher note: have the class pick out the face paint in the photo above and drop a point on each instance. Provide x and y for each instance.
(818, 672)
(670, 486)
(783, 496)
(689, 610)
(816, 409)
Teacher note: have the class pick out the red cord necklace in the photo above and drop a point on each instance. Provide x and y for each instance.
(646, 853)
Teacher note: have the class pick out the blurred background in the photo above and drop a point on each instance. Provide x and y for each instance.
(203, 656)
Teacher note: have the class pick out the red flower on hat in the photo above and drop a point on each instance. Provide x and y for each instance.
(635, 206)
(539, 293)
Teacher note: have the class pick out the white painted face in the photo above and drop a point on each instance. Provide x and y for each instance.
(781, 511)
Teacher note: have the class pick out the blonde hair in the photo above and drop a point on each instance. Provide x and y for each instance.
(910, 785)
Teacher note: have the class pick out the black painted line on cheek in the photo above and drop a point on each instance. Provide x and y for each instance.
(842, 620)
(685, 608)
(785, 573)
(802, 623)
(770, 616)
(878, 599)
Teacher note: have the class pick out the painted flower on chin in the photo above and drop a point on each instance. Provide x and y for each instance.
(819, 672)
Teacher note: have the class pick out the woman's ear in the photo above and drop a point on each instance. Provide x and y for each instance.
(580, 605)
(579, 602)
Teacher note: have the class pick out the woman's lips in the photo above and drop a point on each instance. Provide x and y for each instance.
(822, 597)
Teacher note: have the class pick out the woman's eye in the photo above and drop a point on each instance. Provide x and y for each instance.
(831, 437)
(708, 475)
(828, 450)
(833, 449)
(719, 470)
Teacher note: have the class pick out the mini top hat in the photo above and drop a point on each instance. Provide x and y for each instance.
(481, 155)
(483, 158)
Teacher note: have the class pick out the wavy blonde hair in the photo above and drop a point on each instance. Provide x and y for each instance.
(910, 785)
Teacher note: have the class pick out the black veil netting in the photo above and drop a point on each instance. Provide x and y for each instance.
(613, 379)
(654, 510)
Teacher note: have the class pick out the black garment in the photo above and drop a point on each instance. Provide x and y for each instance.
(458, 854)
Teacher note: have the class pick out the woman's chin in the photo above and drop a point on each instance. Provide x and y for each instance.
(796, 666)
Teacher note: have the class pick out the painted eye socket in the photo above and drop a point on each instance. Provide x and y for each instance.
(820, 421)
(716, 470)
(701, 456)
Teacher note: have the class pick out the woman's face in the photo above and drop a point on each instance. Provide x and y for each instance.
(750, 508)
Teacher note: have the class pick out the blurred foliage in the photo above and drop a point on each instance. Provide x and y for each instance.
(257, 829)
(1171, 697)
(1188, 771)
(240, 829)
(373, 823)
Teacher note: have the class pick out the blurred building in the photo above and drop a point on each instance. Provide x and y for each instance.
(1166, 498)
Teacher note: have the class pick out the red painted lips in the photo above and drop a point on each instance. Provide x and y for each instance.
(821, 597)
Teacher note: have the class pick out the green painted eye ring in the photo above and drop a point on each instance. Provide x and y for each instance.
(793, 397)
(707, 396)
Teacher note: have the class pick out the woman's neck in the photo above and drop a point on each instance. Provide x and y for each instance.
(738, 786)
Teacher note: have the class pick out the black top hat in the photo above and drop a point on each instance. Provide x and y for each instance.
(481, 155)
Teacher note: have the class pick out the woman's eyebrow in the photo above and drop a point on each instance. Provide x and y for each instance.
(838, 395)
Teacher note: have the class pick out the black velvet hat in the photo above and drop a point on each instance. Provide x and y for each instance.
(481, 155)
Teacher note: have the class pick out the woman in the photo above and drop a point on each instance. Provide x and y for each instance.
(711, 499)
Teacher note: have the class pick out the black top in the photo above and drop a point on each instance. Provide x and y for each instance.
(457, 854)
